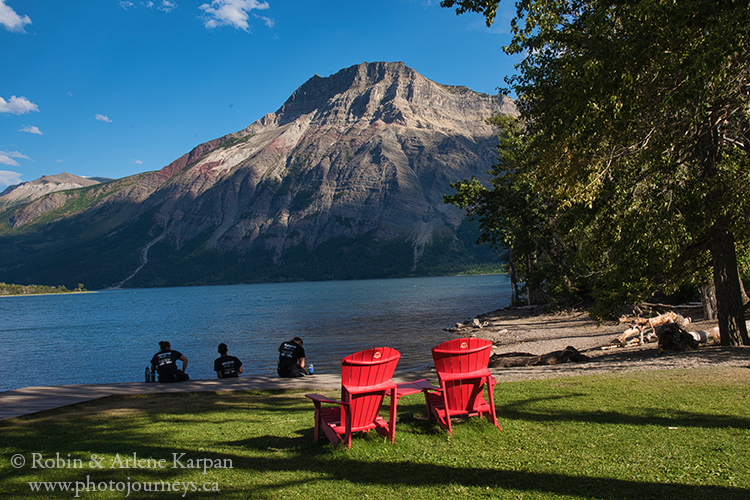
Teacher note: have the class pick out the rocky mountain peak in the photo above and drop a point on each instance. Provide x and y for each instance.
(387, 91)
(345, 180)
(317, 92)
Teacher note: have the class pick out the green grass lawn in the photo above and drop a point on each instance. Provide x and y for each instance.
(650, 435)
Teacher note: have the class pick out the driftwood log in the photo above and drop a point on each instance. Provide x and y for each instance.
(667, 329)
(525, 359)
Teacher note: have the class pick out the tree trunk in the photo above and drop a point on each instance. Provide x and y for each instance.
(535, 293)
(729, 305)
(708, 298)
(514, 296)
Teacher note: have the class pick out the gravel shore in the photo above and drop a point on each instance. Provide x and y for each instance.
(527, 331)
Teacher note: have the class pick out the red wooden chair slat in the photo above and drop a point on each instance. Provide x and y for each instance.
(366, 378)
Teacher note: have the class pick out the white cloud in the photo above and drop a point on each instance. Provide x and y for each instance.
(164, 5)
(266, 20)
(11, 20)
(103, 118)
(6, 158)
(138, 162)
(31, 129)
(232, 13)
(167, 6)
(8, 178)
(17, 105)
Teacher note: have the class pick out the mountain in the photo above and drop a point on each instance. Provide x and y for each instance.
(29, 191)
(344, 181)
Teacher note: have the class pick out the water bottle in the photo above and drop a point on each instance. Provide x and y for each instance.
(153, 376)
(148, 375)
(312, 369)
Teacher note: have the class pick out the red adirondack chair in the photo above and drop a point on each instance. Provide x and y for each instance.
(463, 373)
(366, 377)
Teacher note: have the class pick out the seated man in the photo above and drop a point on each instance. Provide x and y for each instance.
(227, 366)
(291, 358)
(164, 363)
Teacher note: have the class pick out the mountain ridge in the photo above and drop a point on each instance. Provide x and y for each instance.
(349, 168)
(29, 191)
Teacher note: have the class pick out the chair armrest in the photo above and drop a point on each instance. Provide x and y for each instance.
(319, 398)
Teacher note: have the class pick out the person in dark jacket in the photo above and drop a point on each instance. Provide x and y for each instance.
(291, 359)
(164, 363)
(227, 366)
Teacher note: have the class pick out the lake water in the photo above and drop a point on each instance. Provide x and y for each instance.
(110, 336)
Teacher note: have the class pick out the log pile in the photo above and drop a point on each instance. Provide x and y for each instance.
(643, 330)
(667, 329)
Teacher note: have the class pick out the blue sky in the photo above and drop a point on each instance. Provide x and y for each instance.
(112, 88)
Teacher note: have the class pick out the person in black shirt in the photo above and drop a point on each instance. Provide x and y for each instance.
(227, 366)
(291, 358)
(164, 363)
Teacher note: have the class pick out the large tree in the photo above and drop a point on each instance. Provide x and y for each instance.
(525, 222)
(638, 112)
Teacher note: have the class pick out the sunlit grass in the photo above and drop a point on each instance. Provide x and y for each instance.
(670, 434)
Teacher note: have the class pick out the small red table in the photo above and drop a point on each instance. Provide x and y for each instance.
(406, 388)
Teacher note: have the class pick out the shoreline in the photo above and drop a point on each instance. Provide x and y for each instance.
(46, 293)
(526, 330)
(510, 330)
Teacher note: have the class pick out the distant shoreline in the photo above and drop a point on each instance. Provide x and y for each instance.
(70, 292)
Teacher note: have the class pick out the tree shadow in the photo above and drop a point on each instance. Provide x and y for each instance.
(408, 473)
(87, 428)
(520, 410)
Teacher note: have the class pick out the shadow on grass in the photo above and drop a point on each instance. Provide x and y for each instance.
(415, 474)
(520, 410)
(221, 427)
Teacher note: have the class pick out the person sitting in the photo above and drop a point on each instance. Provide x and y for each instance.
(291, 359)
(164, 363)
(227, 366)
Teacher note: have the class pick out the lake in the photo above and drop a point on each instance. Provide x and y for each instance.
(111, 335)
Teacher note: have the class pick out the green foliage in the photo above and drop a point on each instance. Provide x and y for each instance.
(75, 202)
(74, 250)
(637, 130)
(657, 435)
(232, 141)
(340, 258)
(9, 289)
(512, 215)
(449, 254)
